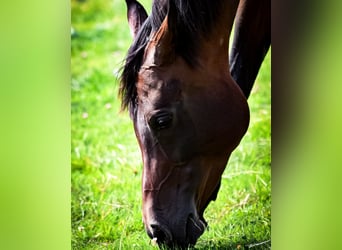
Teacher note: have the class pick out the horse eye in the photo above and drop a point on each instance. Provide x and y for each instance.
(161, 120)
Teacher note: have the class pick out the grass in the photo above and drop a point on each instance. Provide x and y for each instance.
(106, 163)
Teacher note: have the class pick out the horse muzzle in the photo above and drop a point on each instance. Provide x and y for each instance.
(176, 234)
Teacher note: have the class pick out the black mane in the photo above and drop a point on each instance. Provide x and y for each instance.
(193, 20)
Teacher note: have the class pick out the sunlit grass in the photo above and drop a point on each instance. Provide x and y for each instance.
(106, 162)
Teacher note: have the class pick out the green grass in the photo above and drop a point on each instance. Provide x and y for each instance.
(106, 161)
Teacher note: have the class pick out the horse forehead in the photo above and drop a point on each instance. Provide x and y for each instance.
(159, 81)
(178, 76)
(164, 84)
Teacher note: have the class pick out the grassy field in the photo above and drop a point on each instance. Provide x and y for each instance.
(106, 162)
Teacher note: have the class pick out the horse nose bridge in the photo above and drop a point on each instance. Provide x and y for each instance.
(169, 210)
(165, 186)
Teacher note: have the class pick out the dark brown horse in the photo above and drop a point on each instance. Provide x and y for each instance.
(188, 112)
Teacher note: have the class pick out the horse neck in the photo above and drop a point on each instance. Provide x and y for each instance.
(214, 53)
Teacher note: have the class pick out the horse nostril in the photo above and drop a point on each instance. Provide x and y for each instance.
(161, 234)
(157, 232)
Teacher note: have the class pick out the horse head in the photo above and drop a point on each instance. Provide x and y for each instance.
(188, 112)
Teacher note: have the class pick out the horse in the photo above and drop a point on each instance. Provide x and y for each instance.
(188, 112)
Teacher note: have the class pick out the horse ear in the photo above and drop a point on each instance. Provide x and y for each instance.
(136, 15)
